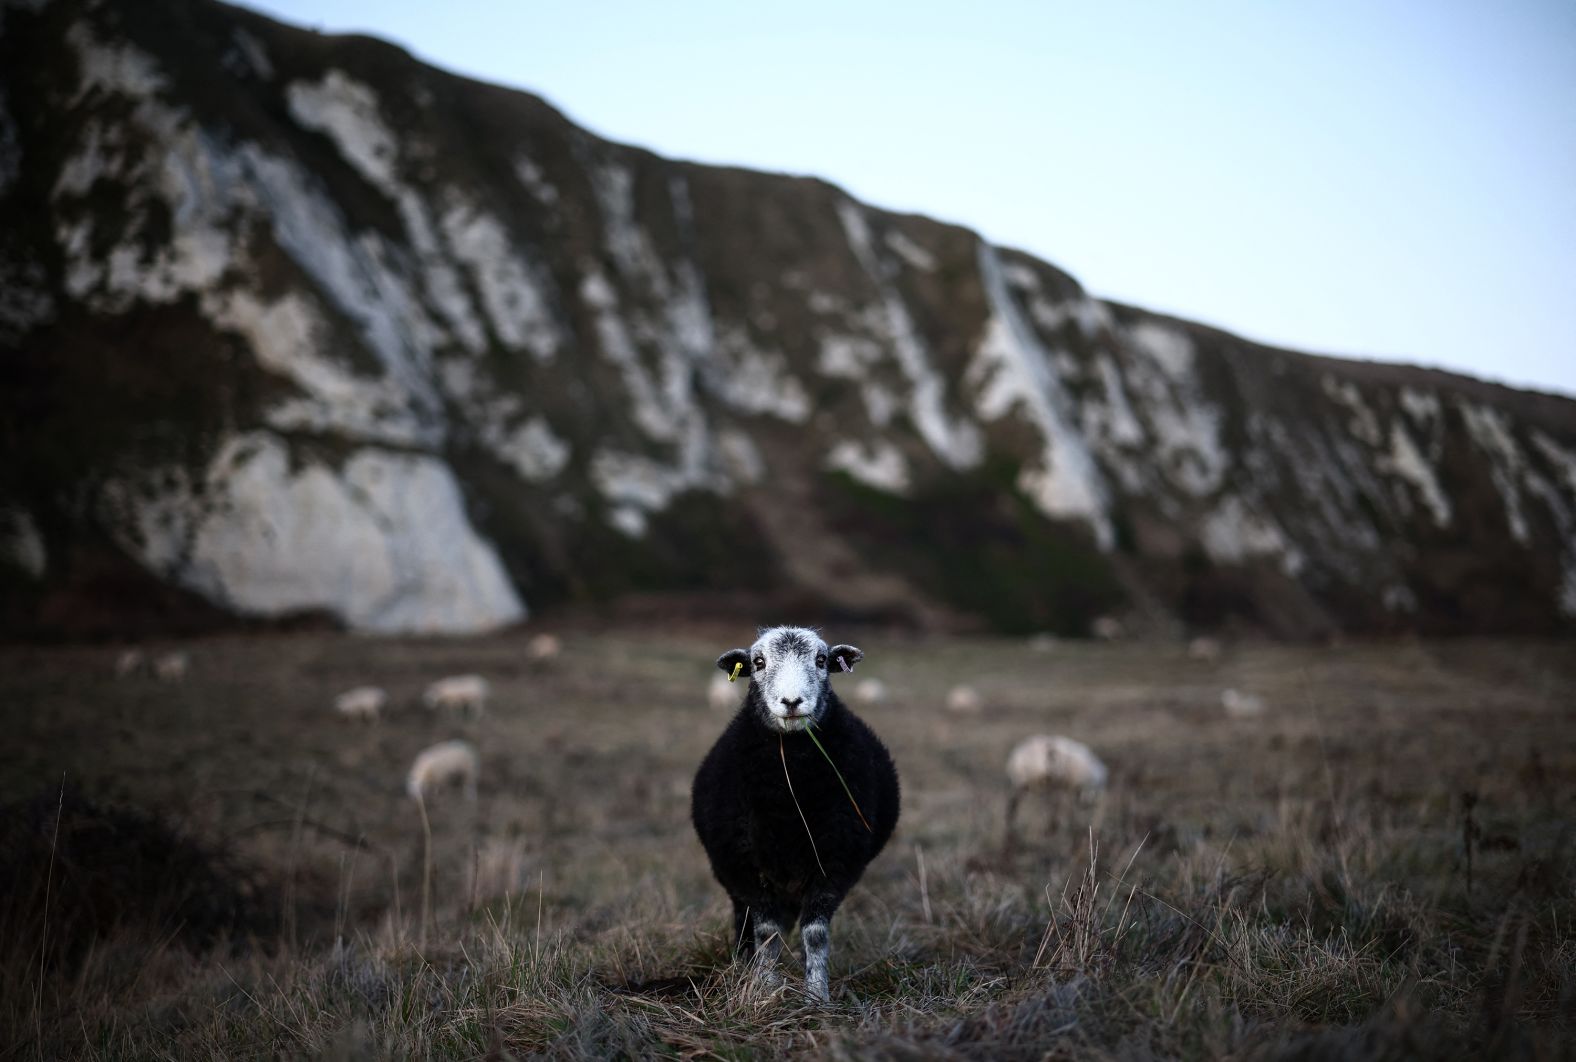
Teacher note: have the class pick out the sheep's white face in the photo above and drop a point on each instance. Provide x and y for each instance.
(788, 667)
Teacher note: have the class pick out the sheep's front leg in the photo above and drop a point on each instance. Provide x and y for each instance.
(817, 937)
(768, 946)
(769, 923)
(815, 932)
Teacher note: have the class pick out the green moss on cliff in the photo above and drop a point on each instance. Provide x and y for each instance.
(977, 543)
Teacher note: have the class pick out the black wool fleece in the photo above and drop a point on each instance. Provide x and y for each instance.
(786, 856)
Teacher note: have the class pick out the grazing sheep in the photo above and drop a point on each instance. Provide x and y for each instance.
(458, 693)
(445, 763)
(365, 703)
(870, 691)
(1107, 628)
(1206, 650)
(964, 700)
(130, 662)
(784, 837)
(1240, 705)
(722, 693)
(544, 647)
(172, 666)
(1052, 763)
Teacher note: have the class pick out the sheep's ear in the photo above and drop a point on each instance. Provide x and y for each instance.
(727, 661)
(847, 656)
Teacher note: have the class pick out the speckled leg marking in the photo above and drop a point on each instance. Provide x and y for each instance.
(768, 946)
(817, 954)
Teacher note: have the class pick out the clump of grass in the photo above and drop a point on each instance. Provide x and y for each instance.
(94, 894)
(1112, 961)
(73, 871)
(1076, 938)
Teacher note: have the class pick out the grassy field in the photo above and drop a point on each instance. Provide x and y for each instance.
(1380, 865)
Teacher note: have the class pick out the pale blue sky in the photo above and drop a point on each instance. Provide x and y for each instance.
(1376, 179)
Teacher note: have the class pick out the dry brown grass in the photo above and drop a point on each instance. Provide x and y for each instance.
(1295, 884)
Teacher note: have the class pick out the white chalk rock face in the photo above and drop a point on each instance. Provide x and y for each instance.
(382, 542)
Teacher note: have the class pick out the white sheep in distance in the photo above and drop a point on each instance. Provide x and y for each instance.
(722, 694)
(458, 693)
(964, 700)
(1204, 650)
(1108, 628)
(544, 647)
(870, 691)
(1052, 763)
(172, 666)
(446, 763)
(365, 703)
(130, 662)
(1239, 705)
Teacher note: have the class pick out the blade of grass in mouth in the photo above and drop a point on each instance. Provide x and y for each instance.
(811, 731)
(807, 832)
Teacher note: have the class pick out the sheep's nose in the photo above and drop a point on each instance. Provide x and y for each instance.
(793, 705)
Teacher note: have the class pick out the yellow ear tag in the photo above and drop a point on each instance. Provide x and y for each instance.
(736, 669)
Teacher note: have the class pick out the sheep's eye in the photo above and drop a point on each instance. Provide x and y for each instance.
(820, 659)
(760, 663)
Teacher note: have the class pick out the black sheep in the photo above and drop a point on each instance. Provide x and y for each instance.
(791, 856)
